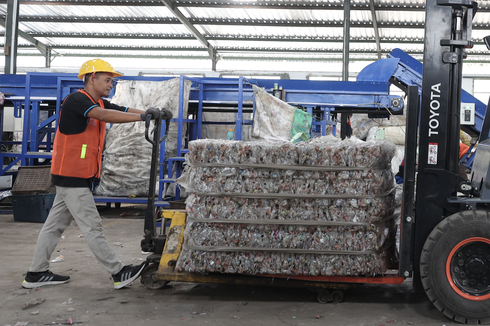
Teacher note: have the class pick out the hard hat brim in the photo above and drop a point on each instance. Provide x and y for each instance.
(114, 74)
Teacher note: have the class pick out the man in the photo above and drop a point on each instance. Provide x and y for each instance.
(76, 163)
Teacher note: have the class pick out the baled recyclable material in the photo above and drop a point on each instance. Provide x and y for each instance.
(366, 210)
(127, 154)
(321, 207)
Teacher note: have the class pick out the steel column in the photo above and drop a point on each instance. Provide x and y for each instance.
(11, 36)
(345, 50)
(239, 120)
(375, 27)
(180, 118)
(199, 112)
(48, 57)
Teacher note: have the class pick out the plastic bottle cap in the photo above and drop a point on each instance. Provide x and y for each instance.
(230, 129)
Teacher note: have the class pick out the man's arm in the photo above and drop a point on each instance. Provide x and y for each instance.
(131, 110)
(114, 116)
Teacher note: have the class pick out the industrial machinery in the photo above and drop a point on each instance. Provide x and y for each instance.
(445, 221)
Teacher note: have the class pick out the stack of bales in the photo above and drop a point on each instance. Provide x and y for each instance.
(323, 207)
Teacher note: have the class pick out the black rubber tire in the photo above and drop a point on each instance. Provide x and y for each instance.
(337, 296)
(149, 280)
(324, 297)
(437, 248)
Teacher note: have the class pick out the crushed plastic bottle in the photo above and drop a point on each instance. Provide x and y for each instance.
(58, 259)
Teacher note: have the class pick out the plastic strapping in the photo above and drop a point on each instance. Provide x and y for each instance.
(278, 222)
(287, 222)
(288, 167)
(281, 195)
(293, 251)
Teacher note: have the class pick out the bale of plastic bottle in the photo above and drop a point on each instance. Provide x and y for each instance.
(322, 151)
(260, 262)
(321, 207)
(359, 210)
(355, 238)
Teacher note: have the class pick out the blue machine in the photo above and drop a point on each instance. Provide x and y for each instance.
(35, 92)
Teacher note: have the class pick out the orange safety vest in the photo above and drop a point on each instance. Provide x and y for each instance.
(80, 155)
(463, 148)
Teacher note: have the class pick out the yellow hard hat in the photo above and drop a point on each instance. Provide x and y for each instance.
(97, 65)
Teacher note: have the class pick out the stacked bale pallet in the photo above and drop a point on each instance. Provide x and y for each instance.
(322, 207)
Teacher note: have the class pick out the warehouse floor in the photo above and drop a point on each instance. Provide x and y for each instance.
(88, 299)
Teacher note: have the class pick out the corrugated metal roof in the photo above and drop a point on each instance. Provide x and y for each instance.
(256, 29)
(101, 28)
(99, 11)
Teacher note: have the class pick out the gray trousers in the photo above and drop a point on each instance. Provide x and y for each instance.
(78, 204)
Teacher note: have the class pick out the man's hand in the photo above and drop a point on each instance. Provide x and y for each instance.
(154, 113)
(166, 114)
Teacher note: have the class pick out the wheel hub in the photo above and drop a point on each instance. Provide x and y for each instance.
(470, 268)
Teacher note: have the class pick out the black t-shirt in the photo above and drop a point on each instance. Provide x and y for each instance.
(73, 120)
(74, 110)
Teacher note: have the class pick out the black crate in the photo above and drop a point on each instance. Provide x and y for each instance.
(33, 180)
(32, 208)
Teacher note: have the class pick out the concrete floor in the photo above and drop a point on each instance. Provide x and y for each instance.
(94, 302)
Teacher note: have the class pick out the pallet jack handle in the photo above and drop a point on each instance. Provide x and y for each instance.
(164, 115)
(150, 214)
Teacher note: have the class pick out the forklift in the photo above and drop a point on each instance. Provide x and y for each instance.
(445, 218)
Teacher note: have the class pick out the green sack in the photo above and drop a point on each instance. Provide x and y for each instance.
(301, 126)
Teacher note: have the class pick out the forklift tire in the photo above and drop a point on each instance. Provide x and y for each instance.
(149, 280)
(455, 267)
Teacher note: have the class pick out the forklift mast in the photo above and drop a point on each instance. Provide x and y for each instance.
(447, 34)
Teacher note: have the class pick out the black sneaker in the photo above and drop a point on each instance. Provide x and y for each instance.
(36, 279)
(127, 275)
